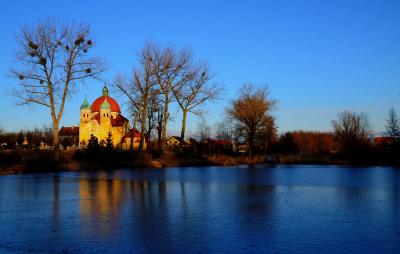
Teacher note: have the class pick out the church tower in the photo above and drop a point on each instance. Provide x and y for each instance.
(85, 112)
(105, 114)
(84, 125)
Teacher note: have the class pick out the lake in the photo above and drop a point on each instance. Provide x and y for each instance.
(245, 209)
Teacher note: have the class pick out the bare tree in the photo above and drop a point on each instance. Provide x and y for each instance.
(53, 58)
(224, 130)
(351, 131)
(267, 134)
(203, 130)
(169, 68)
(152, 113)
(193, 91)
(250, 112)
(140, 90)
(128, 89)
(393, 124)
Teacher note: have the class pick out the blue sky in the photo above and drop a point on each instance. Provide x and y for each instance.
(317, 57)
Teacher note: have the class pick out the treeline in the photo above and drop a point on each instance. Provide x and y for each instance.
(15, 140)
(305, 142)
(351, 141)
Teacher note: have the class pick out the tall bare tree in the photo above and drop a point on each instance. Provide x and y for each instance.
(169, 68)
(53, 58)
(250, 112)
(194, 90)
(140, 89)
(152, 113)
(224, 130)
(128, 89)
(203, 130)
(393, 124)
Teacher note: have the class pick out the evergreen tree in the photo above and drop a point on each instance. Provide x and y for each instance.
(109, 142)
(93, 144)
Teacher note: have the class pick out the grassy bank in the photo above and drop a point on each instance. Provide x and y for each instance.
(17, 162)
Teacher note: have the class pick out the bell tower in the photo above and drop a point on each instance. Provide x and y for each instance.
(85, 112)
(105, 112)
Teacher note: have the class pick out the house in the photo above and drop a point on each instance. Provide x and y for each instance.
(126, 140)
(175, 141)
(69, 136)
(384, 140)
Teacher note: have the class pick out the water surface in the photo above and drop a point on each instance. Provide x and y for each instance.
(284, 209)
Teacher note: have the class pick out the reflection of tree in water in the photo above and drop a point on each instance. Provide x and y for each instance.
(255, 202)
(150, 215)
(364, 200)
(395, 198)
(56, 200)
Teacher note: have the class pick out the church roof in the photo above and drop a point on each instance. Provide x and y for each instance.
(115, 122)
(99, 101)
(85, 104)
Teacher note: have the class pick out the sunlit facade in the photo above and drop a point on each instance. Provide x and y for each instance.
(103, 118)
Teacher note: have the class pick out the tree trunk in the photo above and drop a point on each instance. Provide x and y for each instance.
(56, 139)
(159, 128)
(143, 122)
(133, 133)
(183, 125)
(251, 141)
(165, 125)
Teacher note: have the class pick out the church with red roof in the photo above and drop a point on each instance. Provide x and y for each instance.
(102, 118)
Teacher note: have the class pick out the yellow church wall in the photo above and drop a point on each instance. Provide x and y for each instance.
(126, 145)
(101, 130)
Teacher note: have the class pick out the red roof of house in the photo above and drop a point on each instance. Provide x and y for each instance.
(219, 141)
(383, 140)
(69, 131)
(97, 103)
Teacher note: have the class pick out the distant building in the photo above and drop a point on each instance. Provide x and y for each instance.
(384, 140)
(69, 136)
(127, 139)
(175, 141)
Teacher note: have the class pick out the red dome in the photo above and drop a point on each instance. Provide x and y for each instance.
(97, 103)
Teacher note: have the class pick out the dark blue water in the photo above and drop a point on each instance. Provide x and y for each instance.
(284, 209)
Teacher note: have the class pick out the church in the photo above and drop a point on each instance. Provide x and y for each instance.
(104, 118)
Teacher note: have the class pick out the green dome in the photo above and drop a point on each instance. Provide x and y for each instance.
(105, 105)
(85, 104)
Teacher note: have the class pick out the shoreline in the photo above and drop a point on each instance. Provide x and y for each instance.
(43, 161)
